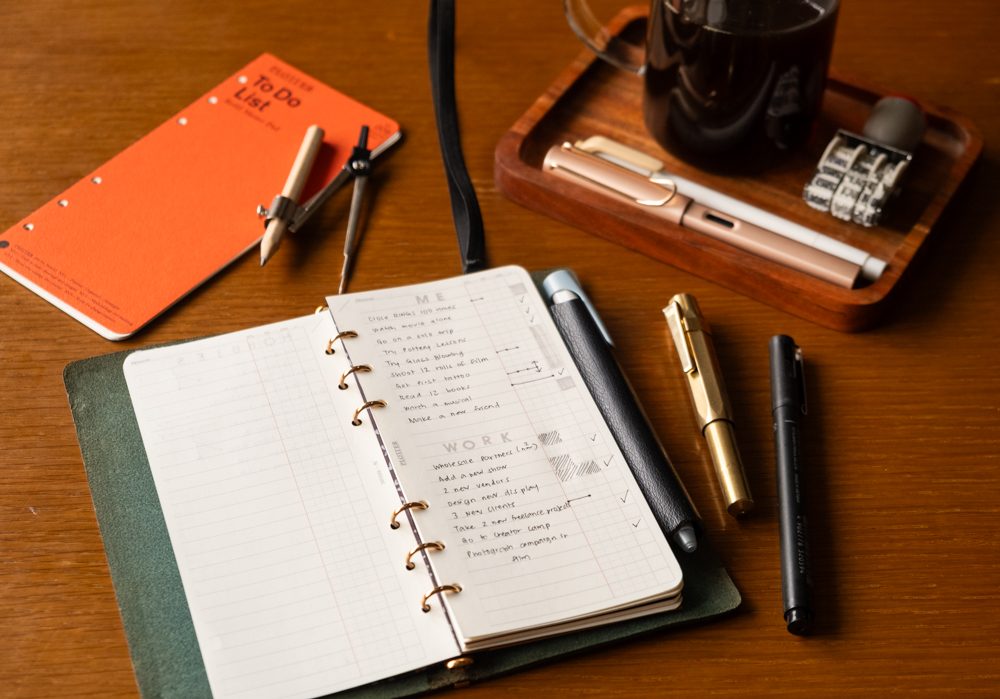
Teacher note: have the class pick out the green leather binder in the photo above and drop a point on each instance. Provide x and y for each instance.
(158, 625)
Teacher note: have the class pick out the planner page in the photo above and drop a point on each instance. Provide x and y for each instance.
(488, 420)
(278, 512)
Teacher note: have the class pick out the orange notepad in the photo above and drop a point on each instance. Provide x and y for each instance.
(140, 232)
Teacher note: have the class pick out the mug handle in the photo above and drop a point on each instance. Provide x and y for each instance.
(617, 52)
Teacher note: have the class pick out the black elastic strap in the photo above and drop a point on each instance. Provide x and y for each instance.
(464, 205)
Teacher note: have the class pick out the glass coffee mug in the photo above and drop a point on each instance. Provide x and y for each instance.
(727, 83)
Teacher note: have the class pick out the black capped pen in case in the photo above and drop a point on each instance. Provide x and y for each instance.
(788, 405)
(618, 405)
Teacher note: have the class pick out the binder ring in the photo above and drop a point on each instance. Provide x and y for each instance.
(435, 545)
(320, 309)
(437, 590)
(418, 505)
(360, 367)
(364, 406)
(346, 333)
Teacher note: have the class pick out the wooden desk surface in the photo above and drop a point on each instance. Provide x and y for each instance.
(903, 444)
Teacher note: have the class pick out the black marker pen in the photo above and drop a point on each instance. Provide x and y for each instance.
(788, 405)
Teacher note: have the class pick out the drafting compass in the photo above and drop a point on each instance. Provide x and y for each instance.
(358, 167)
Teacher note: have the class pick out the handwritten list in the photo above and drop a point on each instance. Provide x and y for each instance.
(490, 422)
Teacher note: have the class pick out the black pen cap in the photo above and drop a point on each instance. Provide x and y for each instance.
(787, 381)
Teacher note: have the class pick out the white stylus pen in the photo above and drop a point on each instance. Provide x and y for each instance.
(647, 166)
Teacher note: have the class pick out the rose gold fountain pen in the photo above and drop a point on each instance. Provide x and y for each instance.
(664, 201)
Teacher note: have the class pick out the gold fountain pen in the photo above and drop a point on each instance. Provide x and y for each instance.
(693, 340)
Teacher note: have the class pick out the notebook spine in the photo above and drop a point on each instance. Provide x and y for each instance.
(421, 547)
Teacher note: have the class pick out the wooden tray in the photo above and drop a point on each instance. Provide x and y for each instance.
(592, 98)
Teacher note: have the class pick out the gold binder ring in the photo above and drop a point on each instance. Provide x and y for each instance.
(320, 309)
(365, 406)
(338, 336)
(435, 545)
(360, 367)
(440, 588)
(418, 505)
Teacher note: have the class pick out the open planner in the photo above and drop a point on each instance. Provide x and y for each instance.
(409, 475)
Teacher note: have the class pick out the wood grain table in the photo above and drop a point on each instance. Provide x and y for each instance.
(903, 441)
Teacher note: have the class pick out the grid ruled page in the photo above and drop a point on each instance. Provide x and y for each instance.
(493, 425)
(277, 511)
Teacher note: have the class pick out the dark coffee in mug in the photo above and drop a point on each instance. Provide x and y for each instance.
(732, 84)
